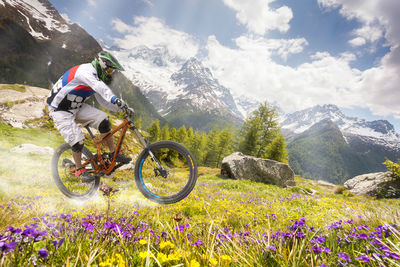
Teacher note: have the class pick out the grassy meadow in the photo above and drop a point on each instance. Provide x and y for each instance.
(223, 222)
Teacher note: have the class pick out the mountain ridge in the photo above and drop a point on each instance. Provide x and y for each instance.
(360, 146)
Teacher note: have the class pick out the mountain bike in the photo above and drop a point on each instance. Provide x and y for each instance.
(165, 171)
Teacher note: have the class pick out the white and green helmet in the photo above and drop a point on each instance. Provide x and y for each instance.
(105, 64)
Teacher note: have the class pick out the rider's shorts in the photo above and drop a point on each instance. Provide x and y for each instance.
(66, 121)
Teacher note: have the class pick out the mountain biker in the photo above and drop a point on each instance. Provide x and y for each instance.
(66, 105)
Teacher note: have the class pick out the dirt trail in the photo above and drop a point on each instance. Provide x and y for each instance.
(17, 107)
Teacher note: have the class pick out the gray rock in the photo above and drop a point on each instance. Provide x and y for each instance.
(32, 149)
(239, 166)
(380, 184)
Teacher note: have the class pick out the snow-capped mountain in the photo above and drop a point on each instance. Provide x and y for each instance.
(38, 17)
(380, 132)
(38, 44)
(172, 83)
(245, 104)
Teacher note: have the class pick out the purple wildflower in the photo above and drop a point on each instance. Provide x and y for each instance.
(363, 226)
(362, 236)
(43, 253)
(197, 243)
(363, 258)
(335, 225)
(14, 230)
(327, 250)
(58, 243)
(344, 256)
(392, 255)
(270, 248)
(316, 249)
(318, 240)
(7, 247)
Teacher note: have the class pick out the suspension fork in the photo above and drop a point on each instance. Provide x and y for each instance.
(145, 144)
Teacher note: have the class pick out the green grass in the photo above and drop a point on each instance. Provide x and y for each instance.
(223, 222)
(16, 87)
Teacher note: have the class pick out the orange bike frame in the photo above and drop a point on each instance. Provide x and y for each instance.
(102, 166)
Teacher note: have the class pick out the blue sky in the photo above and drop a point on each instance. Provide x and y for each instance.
(296, 53)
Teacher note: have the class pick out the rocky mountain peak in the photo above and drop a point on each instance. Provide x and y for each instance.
(376, 131)
(38, 17)
(194, 74)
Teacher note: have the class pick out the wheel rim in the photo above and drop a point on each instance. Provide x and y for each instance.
(69, 181)
(169, 181)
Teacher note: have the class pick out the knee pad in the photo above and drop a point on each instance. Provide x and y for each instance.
(77, 147)
(104, 126)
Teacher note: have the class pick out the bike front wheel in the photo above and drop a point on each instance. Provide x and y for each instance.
(63, 170)
(165, 172)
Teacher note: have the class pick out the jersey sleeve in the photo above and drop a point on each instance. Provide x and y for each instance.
(108, 105)
(103, 93)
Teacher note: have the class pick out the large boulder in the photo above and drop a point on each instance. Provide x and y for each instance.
(379, 184)
(240, 166)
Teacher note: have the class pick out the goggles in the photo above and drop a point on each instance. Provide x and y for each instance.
(109, 71)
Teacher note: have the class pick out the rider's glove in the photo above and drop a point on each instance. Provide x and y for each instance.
(130, 112)
(120, 103)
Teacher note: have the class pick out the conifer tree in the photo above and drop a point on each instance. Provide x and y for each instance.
(181, 135)
(276, 150)
(225, 145)
(154, 131)
(138, 123)
(211, 156)
(259, 130)
(165, 133)
(198, 146)
(172, 134)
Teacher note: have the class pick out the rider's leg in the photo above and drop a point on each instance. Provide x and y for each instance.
(77, 154)
(100, 122)
(104, 129)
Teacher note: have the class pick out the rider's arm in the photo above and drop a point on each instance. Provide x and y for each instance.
(103, 94)
(106, 104)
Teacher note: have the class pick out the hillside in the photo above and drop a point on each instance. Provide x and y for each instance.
(38, 45)
(223, 222)
(325, 144)
(321, 153)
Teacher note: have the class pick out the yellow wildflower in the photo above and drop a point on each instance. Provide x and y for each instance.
(194, 263)
(174, 256)
(142, 242)
(213, 261)
(226, 258)
(120, 260)
(162, 257)
(143, 254)
(166, 244)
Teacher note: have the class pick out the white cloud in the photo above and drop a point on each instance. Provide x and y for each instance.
(249, 68)
(358, 41)
(380, 18)
(153, 33)
(326, 79)
(280, 47)
(259, 17)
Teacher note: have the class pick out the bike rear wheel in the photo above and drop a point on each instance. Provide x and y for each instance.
(174, 177)
(64, 176)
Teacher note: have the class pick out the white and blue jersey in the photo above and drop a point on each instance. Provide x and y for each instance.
(78, 84)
